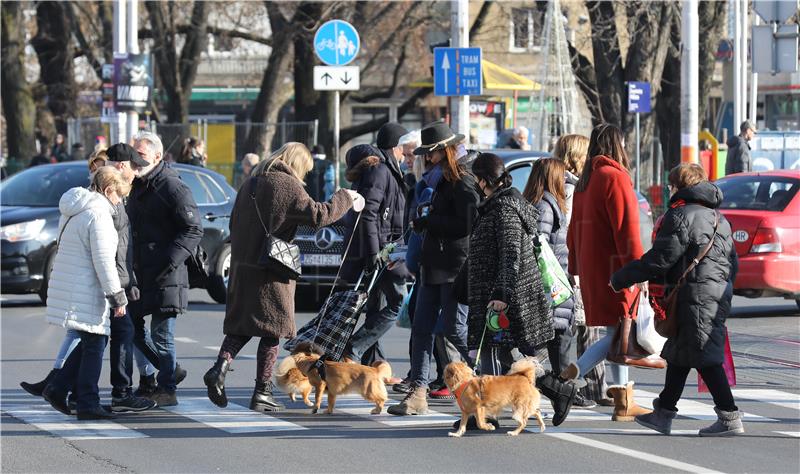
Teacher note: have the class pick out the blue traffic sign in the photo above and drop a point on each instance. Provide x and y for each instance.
(638, 97)
(457, 71)
(336, 43)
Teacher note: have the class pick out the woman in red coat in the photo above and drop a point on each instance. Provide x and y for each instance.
(603, 236)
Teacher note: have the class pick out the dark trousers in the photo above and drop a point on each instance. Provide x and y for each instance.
(81, 371)
(559, 350)
(158, 345)
(714, 377)
(365, 343)
(121, 355)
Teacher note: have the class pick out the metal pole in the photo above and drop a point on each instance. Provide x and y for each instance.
(132, 34)
(548, 20)
(459, 32)
(754, 86)
(743, 62)
(737, 67)
(638, 155)
(118, 128)
(336, 136)
(690, 64)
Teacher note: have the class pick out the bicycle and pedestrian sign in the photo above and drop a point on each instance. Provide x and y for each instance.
(336, 43)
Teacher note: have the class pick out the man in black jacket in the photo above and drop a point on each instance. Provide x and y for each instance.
(739, 150)
(376, 175)
(166, 229)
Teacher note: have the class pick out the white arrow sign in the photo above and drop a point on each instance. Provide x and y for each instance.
(446, 69)
(336, 78)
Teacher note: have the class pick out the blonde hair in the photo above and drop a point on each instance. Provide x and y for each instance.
(97, 159)
(295, 155)
(109, 177)
(572, 149)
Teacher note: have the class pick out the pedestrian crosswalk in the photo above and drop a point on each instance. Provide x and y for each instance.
(238, 419)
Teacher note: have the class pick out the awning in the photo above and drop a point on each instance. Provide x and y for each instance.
(495, 78)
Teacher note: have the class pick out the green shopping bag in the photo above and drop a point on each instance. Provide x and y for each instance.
(555, 281)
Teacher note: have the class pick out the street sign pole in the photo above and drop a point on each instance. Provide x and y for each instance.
(690, 65)
(638, 155)
(336, 137)
(118, 127)
(459, 31)
(132, 40)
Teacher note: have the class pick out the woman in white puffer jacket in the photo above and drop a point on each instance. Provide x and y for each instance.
(84, 286)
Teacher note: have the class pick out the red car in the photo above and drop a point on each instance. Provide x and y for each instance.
(764, 212)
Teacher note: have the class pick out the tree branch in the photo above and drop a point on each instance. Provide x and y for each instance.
(146, 33)
(354, 131)
(387, 93)
(480, 19)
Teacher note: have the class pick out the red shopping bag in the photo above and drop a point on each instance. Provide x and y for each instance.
(727, 364)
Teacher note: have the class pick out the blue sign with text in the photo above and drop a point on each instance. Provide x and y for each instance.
(336, 43)
(457, 71)
(638, 97)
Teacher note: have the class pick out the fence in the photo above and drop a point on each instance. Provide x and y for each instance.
(226, 142)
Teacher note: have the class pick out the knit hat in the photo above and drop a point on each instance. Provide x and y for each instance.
(358, 153)
(389, 135)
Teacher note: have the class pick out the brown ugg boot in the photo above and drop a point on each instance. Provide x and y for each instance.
(625, 409)
(415, 403)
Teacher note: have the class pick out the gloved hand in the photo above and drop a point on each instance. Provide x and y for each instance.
(161, 278)
(419, 224)
(371, 263)
(358, 200)
(133, 294)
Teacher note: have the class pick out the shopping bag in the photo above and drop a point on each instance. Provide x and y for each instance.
(554, 279)
(403, 318)
(646, 333)
(727, 365)
(625, 346)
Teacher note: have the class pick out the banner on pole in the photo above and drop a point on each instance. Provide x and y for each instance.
(133, 82)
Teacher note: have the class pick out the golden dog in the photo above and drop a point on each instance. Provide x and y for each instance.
(342, 377)
(291, 379)
(488, 395)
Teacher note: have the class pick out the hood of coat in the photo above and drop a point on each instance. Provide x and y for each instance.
(553, 202)
(736, 141)
(512, 198)
(77, 200)
(706, 194)
(354, 172)
(570, 178)
(281, 167)
(601, 160)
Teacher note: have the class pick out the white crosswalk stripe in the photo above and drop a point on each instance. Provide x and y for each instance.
(232, 419)
(773, 397)
(692, 408)
(44, 417)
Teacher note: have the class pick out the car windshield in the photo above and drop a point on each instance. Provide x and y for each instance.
(758, 193)
(42, 186)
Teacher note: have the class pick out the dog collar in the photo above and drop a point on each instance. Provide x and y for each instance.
(460, 391)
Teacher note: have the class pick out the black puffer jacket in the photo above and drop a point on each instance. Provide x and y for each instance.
(165, 225)
(502, 266)
(383, 215)
(448, 227)
(705, 299)
(553, 224)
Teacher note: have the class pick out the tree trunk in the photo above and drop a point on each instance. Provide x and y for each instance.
(712, 27)
(668, 108)
(53, 45)
(607, 61)
(18, 104)
(309, 104)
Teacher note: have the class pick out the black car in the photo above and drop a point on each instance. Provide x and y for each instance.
(321, 249)
(29, 223)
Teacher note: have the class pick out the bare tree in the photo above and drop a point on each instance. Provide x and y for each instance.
(18, 103)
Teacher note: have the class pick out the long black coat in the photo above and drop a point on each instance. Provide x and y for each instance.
(502, 266)
(383, 215)
(166, 229)
(449, 225)
(705, 299)
(553, 224)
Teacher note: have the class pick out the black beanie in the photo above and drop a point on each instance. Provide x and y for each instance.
(389, 135)
(358, 153)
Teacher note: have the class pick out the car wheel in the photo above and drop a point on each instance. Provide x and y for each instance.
(46, 278)
(218, 280)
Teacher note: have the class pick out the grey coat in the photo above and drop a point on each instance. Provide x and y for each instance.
(738, 160)
(502, 266)
(553, 224)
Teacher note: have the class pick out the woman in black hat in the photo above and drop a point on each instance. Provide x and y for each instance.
(446, 225)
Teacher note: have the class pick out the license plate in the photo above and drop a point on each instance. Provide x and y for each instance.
(317, 260)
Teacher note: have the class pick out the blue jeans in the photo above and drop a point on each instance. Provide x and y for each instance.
(379, 320)
(121, 355)
(159, 347)
(431, 300)
(596, 354)
(71, 339)
(81, 371)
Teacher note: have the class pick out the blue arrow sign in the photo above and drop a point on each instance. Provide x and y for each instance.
(457, 71)
(336, 43)
(638, 97)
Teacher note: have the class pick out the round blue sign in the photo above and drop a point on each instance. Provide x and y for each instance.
(336, 43)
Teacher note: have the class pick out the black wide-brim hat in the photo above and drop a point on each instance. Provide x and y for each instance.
(436, 136)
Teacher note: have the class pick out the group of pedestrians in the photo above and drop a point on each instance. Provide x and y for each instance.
(121, 254)
(473, 242)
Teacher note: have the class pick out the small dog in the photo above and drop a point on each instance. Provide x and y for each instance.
(291, 379)
(488, 395)
(339, 378)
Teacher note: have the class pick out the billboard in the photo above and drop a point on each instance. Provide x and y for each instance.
(133, 82)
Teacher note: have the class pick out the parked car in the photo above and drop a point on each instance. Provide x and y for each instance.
(29, 223)
(764, 212)
(322, 249)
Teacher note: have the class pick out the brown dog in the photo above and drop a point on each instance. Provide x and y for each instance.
(342, 377)
(291, 379)
(488, 395)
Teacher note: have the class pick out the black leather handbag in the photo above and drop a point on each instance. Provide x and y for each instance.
(277, 256)
(196, 266)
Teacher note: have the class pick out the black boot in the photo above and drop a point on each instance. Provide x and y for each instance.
(56, 399)
(215, 382)
(263, 400)
(37, 388)
(560, 393)
(147, 386)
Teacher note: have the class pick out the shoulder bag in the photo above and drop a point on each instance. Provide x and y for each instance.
(625, 348)
(277, 256)
(667, 326)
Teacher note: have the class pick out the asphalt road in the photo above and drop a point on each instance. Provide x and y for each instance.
(197, 437)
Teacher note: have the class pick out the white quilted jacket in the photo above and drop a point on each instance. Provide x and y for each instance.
(84, 272)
